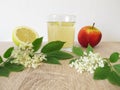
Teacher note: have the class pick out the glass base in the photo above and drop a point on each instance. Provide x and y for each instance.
(67, 49)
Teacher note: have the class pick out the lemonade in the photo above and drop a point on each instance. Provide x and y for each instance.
(63, 31)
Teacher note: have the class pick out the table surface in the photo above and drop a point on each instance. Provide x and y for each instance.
(57, 77)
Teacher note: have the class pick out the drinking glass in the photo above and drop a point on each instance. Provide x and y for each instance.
(61, 27)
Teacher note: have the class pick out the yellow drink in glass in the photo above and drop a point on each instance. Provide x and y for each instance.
(63, 31)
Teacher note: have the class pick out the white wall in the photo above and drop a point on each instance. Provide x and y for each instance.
(33, 13)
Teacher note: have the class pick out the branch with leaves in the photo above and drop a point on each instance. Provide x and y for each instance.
(110, 70)
(16, 59)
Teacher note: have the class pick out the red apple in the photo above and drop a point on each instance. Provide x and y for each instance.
(89, 35)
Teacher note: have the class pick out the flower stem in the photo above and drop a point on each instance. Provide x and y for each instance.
(112, 68)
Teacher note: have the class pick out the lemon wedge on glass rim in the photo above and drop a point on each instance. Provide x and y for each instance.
(23, 34)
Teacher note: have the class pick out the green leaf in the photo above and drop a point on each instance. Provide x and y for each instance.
(114, 78)
(14, 67)
(117, 68)
(4, 71)
(77, 50)
(8, 52)
(59, 55)
(37, 44)
(52, 46)
(114, 57)
(73, 60)
(101, 73)
(89, 48)
(1, 60)
(52, 60)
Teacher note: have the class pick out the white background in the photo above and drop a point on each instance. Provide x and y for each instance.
(34, 13)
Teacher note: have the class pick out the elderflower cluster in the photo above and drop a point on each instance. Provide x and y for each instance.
(26, 56)
(88, 62)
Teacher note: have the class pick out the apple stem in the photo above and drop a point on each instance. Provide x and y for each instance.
(93, 25)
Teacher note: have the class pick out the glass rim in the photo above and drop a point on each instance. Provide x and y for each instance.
(61, 18)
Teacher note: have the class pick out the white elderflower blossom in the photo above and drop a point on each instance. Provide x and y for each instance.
(88, 62)
(24, 55)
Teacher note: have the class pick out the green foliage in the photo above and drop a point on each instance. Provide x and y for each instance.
(111, 72)
(52, 46)
(4, 71)
(101, 73)
(1, 60)
(73, 60)
(8, 52)
(59, 55)
(52, 60)
(9, 67)
(52, 50)
(77, 50)
(14, 67)
(114, 78)
(117, 68)
(89, 49)
(37, 44)
(114, 57)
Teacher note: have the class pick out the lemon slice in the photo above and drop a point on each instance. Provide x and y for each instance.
(23, 34)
